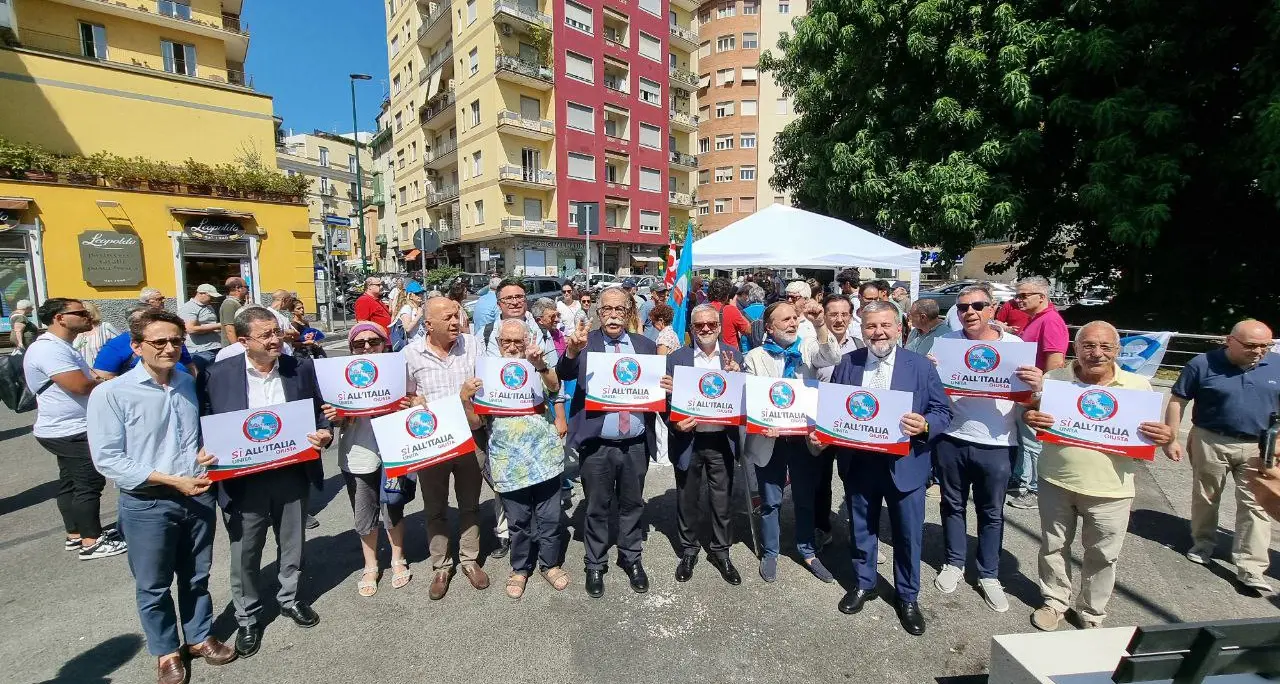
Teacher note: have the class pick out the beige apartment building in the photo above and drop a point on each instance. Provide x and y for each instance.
(330, 161)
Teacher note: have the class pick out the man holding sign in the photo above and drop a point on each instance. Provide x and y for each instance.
(275, 498)
(1079, 482)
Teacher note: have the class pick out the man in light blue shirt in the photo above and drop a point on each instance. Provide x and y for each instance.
(486, 309)
(144, 433)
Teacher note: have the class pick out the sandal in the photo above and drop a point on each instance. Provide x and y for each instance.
(556, 577)
(515, 585)
(399, 578)
(364, 587)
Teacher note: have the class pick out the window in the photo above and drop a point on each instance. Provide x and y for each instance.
(747, 205)
(650, 221)
(724, 174)
(747, 141)
(703, 208)
(704, 112)
(724, 109)
(784, 8)
(573, 213)
(175, 8)
(704, 49)
(704, 16)
(324, 156)
(724, 77)
(473, 60)
(650, 47)
(750, 41)
(650, 92)
(471, 12)
(653, 7)
(724, 142)
(704, 81)
(404, 194)
(783, 106)
(179, 58)
(582, 166)
(413, 154)
(722, 205)
(704, 176)
(351, 159)
(475, 113)
(93, 40)
(395, 44)
(724, 43)
(610, 172)
(749, 108)
(395, 84)
(650, 180)
(726, 10)
(750, 7)
(479, 211)
(579, 67)
(477, 164)
(577, 16)
(581, 117)
(749, 74)
(650, 136)
(704, 145)
(399, 123)
(747, 173)
(326, 188)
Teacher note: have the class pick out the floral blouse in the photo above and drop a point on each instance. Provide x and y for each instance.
(523, 451)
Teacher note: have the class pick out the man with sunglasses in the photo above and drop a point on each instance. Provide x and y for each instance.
(1235, 389)
(369, 306)
(1047, 329)
(62, 382)
(977, 452)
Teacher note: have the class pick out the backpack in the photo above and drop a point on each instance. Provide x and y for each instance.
(13, 384)
(397, 335)
(757, 332)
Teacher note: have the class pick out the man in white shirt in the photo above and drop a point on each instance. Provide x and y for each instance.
(977, 452)
(203, 336)
(62, 381)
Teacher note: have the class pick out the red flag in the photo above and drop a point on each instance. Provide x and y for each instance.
(670, 277)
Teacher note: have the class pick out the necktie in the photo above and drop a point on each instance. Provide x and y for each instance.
(880, 378)
(624, 417)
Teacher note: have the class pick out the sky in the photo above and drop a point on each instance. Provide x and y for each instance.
(301, 51)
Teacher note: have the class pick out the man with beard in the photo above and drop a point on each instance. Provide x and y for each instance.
(872, 478)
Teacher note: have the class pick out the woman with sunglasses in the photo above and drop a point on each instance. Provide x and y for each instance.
(362, 470)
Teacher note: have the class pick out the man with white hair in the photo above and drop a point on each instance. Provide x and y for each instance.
(1235, 389)
(21, 328)
(151, 298)
(1082, 484)
(798, 295)
(1049, 332)
(486, 309)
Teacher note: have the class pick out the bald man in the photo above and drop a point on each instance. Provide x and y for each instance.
(1235, 389)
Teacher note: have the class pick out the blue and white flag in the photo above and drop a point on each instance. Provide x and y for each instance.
(1142, 354)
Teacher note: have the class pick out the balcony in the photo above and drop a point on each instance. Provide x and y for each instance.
(681, 199)
(444, 194)
(683, 79)
(529, 74)
(686, 5)
(450, 234)
(439, 59)
(443, 155)
(618, 84)
(515, 124)
(440, 104)
(684, 122)
(176, 17)
(526, 177)
(685, 160)
(433, 30)
(525, 14)
(520, 226)
(684, 38)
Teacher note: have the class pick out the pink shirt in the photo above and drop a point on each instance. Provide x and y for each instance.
(1049, 332)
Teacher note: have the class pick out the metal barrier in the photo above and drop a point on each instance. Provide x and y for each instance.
(1182, 346)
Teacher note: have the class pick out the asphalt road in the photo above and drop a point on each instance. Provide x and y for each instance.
(62, 620)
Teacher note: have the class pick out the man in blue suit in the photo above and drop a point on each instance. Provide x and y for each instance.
(704, 452)
(872, 478)
(614, 447)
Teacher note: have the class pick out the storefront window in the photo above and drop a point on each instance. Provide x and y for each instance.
(15, 275)
(213, 262)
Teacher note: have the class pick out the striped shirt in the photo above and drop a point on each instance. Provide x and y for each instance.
(432, 377)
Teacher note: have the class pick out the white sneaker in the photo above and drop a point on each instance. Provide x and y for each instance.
(947, 580)
(994, 594)
(105, 548)
(1256, 582)
(1200, 555)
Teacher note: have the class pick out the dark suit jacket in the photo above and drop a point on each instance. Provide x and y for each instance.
(224, 387)
(680, 444)
(585, 425)
(911, 373)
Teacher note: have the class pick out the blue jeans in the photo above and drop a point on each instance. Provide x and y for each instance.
(984, 468)
(203, 359)
(790, 454)
(1026, 472)
(168, 537)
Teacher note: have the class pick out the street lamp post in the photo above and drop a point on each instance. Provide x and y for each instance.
(355, 133)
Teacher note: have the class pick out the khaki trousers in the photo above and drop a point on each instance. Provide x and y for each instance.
(434, 481)
(1213, 457)
(1102, 534)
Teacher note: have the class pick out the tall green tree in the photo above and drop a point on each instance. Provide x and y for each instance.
(1134, 143)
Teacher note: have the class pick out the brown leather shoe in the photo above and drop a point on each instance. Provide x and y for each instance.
(476, 575)
(171, 670)
(440, 584)
(213, 651)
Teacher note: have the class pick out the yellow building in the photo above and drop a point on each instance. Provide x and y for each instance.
(329, 161)
(159, 80)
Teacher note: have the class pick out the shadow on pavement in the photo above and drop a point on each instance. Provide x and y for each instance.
(1173, 531)
(15, 432)
(31, 497)
(93, 666)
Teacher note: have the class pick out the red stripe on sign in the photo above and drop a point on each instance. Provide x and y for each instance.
(1012, 396)
(483, 410)
(463, 449)
(898, 449)
(652, 407)
(733, 420)
(1142, 452)
(755, 429)
(369, 412)
(230, 472)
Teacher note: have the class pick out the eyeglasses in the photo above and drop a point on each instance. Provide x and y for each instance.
(976, 306)
(613, 309)
(511, 298)
(163, 343)
(268, 335)
(519, 340)
(1098, 346)
(706, 326)
(373, 343)
(566, 291)
(77, 312)
(1259, 346)
(794, 297)
(1024, 295)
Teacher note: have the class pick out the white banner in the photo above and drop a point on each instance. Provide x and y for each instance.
(714, 397)
(786, 405)
(863, 418)
(625, 382)
(1105, 419)
(367, 385)
(1142, 354)
(254, 440)
(423, 436)
(975, 368)
(510, 387)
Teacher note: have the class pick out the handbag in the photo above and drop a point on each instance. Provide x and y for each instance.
(397, 491)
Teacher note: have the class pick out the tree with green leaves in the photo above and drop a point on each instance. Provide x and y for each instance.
(1131, 143)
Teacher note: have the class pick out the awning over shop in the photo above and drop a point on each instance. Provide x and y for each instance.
(15, 203)
(210, 211)
(646, 258)
(411, 255)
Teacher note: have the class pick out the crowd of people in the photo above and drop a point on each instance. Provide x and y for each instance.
(126, 407)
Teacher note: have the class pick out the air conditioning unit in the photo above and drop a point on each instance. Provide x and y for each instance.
(509, 198)
(506, 29)
(451, 82)
(433, 174)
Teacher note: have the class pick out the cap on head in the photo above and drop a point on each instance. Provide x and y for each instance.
(414, 287)
(208, 289)
(368, 326)
(629, 283)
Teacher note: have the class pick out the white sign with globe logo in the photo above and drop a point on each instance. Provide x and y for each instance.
(370, 385)
(786, 405)
(713, 397)
(970, 368)
(1104, 419)
(259, 439)
(423, 436)
(863, 418)
(625, 382)
(509, 387)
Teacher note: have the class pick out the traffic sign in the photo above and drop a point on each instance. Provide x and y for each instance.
(427, 242)
(332, 220)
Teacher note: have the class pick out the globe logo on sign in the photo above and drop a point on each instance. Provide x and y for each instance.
(1097, 405)
(982, 358)
(262, 426)
(711, 385)
(420, 423)
(514, 376)
(782, 395)
(626, 371)
(361, 373)
(862, 406)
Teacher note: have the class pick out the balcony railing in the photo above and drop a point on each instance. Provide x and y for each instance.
(683, 159)
(439, 58)
(443, 149)
(528, 14)
(528, 227)
(683, 199)
(684, 33)
(530, 69)
(684, 76)
(526, 174)
(443, 194)
(507, 117)
(616, 37)
(616, 83)
(686, 119)
(451, 233)
(437, 10)
(76, 47)
(437, 105)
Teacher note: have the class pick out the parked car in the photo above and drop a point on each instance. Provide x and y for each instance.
(1095, 296)
(536, 287)
(946, 295)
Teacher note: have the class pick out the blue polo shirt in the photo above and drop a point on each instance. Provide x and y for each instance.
(1228, 399)
(116, 356)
